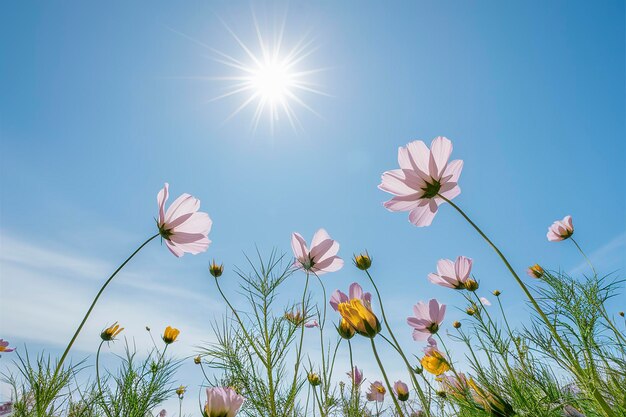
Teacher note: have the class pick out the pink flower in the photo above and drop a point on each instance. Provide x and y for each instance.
(222, 402)
(427, 319)
(183, 227)
(424, 176)
(376, 392)
(402, 390)
(561, 229)
(163, 413)
(4, 346)
(452, 274)
(355, 291)
(322, 257)
(356, 376)
(311, 324)
(484, 301)
(6, 408)
(455, 385)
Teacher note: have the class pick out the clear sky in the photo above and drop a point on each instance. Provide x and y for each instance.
(102, 102)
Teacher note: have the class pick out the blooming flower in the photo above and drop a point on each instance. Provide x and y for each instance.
(321, 258)
(424, 176)
(402, 390)
(111, 332)
(535, 271)
(355, 293)
(222, 402)
(311, 324)
(184, 228)
(561, 229)
(4, 346)
(360, 317)
(356, 376)
(452, 274)
(434, 361)
(376, 392)
(427, 319)
(170, 335)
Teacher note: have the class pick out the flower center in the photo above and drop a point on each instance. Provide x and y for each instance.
(433, 328)
(431, 189)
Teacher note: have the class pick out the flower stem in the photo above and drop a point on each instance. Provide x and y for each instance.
(93, 304)
(389, 387)
(584, 256)
(572, 360)
(420, 392)
(98, 378)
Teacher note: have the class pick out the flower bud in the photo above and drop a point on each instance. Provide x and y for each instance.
(456, 324)
(497, 293)
(215, 269)
(180, 391)
(345, 330)
(535, 271)
(363, 261)
(471, 284)
(197, 360)
(314, 379)
(470, 311)
(170, 335)
(111, 332)
(621, 313)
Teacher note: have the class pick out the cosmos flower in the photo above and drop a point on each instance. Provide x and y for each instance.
(4, 346)
(311, 324)
(535, 271)
(355, 293)
(170, 335)
(356, 376)
(314, 379)
(111, 332)
(376, 392)
(184, 228)
(426, 319)
(484, 301)
(452, 274)
(561, 229)
(424, 176)
(402, 390)
(454, 385)
(434, 361)
(222, 402)
(360, 317)
(321, 258)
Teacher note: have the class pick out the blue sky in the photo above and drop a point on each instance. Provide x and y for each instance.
(103, 103)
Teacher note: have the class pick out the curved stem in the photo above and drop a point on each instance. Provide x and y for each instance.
(389, 387)
(584, 256)
(573, 362)
(93, 304)
(98, 377)
(420, 392)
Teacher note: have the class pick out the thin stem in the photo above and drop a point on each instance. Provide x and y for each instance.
(572, 359)
(98, 377)
(584, 256)
(353, 385)
(420, 392)
(93, 304)
(382, 369)
(299, 348)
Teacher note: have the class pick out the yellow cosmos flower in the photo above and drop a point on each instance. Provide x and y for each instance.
(435, 363)
(111, 332)
(360, 317)
(170, 335)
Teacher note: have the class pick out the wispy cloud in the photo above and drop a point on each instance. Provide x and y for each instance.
(608, 258)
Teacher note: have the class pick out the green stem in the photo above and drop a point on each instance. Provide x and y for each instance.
(93, 304)
(389, 387)
(299, 348)
(98, 378)
(420, 392)
(584, 256)
(572, 359)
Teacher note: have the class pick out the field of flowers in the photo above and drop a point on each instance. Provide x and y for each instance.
(570, 360)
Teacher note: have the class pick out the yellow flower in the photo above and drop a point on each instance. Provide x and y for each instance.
(294, 317)
(535, 271)
(111, 332)
(345, 330)
(490, 402)
(363, 261)
(471, 285)
(435, 363)
(180, 391)
(215, 269)
(360, 317)
(197, 360)
(170, 335)
(314, 379)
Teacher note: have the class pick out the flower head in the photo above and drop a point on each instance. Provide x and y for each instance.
(345, 330)
(197, 360)
(222, 402)
(356, 376)
(360, 317)
(425, 175)
(294, 317)
(402, 390)
(434, 361)
(355, 293)
(111, 332)
(311, 324)
(170, 335)
(4, 346)
(454, 385)
(184, 228)
(162, 413)
(452, 274)
(376, 392)
(215, 269)
(427, 319)
(363, 261)
(535, 271)
(497, 293)
(484, 301)
(321, 258)
(314, 379)
(180, 391)
(561, 229)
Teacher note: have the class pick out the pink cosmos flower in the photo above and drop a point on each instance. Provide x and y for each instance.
(402, 390)
(356, 376)
(376, 392)
(355, 291)
(311, 324)
(484, 301)
(561, 229)
(424, 176)
(455, 385)
(4, 346)
(163, 413)
(222, 402)
(427, 319)
(452, 274)
(184, 228)
(321, 258)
